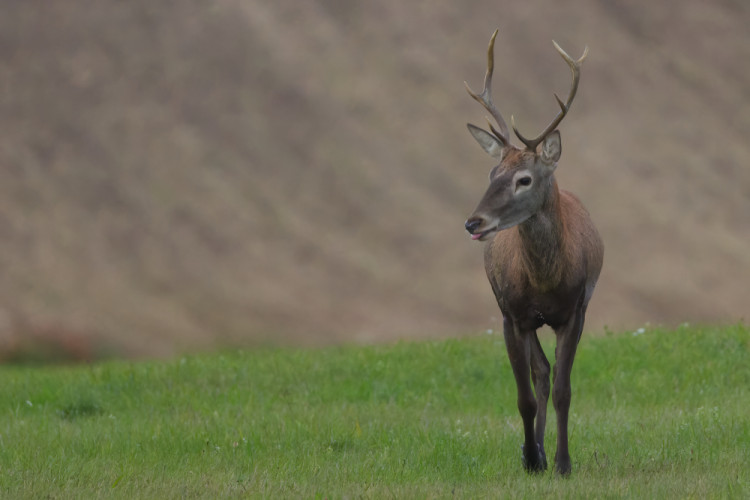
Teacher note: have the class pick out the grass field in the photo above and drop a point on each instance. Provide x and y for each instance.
(655, 414)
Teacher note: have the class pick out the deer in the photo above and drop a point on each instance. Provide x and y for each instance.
(542, 257)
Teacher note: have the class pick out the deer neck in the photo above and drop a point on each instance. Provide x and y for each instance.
(542, 240)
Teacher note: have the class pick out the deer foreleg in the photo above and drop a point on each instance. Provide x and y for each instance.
(517, 344)
(540, 371)
(567, 342)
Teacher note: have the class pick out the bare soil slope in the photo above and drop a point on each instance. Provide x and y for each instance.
(175, 175)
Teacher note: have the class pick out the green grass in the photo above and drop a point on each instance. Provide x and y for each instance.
(662, 414)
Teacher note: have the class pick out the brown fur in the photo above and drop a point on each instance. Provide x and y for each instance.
(556, 251)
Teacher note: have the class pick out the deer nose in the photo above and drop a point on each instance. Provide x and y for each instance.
(472, 224)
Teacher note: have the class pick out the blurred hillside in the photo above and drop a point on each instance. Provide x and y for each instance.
(177, 175)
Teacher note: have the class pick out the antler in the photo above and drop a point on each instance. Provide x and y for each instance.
(485, 97)
(575, 68)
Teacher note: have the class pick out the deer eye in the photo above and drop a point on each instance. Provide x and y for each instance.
(523, 181)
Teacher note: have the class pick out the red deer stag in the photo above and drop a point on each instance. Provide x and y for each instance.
(543, 256)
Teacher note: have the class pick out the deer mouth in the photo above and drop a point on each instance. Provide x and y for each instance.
(481, 236)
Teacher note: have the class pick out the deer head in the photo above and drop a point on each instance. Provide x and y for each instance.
(522, 181)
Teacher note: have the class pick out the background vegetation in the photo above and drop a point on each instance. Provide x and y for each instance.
(178, 175)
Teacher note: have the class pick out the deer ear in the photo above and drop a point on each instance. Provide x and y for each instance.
(551, 148)
(493, 145)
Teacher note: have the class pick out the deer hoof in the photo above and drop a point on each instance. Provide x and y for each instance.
(535, 460)
(562, 465)
(563, 468)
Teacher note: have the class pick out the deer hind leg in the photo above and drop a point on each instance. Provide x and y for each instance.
(517, 344)
(567, 342)
(540, 371)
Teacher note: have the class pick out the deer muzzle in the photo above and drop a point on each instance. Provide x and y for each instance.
(474, 224)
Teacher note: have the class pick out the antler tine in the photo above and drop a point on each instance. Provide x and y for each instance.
(485, 97)
(575, 68)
